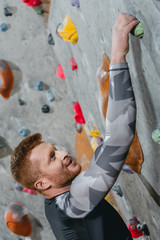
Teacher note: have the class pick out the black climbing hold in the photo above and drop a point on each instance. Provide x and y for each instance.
(118, 190)
(21, 102)
(50, 39)
(45, 108)
(7, 11)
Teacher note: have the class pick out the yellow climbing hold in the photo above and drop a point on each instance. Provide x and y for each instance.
(91, 127)
(67, 30)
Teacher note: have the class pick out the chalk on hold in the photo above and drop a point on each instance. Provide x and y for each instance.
(156, 135)
(50, 39)
(138, 30)
(6, 79)
(16, 219)
(32, 3)
(67, 30)
(60, 72)
(45, 108)
(73, 63)
(50, 95)
(7, 11)
(3, 27)
(75, 3)
(24, 132)
(38, 85)
(78, 117)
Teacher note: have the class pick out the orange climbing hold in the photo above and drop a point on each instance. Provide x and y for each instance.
(67, 30)
(135, 155)
(6, 79)
(17, 220)
(60, 72)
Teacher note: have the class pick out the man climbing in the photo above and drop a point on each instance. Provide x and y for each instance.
(75, 205)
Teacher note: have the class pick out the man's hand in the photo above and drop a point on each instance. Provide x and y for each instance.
(120, 39)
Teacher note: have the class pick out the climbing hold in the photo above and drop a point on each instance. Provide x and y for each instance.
(50, 39)
(67, 30)
(45, 108)
(7, 11)
(91, 127)
(75, 3)
(2, 144)
(3, 27)
(127, 169)
(156, 135)
(16, 218)
(138, 30)
(38, 85)
(40, 11)
(30, 191)
(78, 127)
(6, 79)
(32, 3)
(73, 63)
(60, 72)
(18, 187)
(132, 227)
(95, 141)
(78, 117)
(24, 132)
(21, 102)
(144, 228)
(118, 190)
(50, 95)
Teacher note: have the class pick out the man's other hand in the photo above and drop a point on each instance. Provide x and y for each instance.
(120, 39)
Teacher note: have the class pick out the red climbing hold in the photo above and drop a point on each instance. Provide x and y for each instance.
(32, 3)
(60, 72)
(73, 63)
(132, 227)
(6, 79)
(78, 117)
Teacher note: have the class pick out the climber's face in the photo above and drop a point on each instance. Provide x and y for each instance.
(58, 168)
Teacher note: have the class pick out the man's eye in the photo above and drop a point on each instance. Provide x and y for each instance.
(55, 148)
(52, 157)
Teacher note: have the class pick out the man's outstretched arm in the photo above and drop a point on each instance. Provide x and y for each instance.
(91, 186)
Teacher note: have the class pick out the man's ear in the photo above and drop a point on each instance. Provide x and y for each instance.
(42, 184)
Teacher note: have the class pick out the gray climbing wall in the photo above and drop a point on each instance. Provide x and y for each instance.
(94, 20)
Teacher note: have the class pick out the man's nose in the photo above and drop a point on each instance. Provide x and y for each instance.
(61, 154)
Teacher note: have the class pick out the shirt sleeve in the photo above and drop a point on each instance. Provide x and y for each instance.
(92, 185)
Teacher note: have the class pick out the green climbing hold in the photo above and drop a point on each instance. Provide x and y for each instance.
(138, 30)
(21, 102)
(2, 144)
(156, 135)
(40, 11)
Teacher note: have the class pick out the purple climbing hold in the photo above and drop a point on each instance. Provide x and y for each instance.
(127, 169)
(75, 3)
(18, 187)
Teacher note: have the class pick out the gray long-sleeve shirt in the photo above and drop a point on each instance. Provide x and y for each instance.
(90, 187)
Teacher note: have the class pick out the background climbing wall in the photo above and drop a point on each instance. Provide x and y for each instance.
(25, 48)
(94, 21)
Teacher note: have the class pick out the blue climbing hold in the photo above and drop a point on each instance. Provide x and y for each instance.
(3, 27)
(24, 132)
(2, 144)
(50, 95)
(38, 85)
(75, 3)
